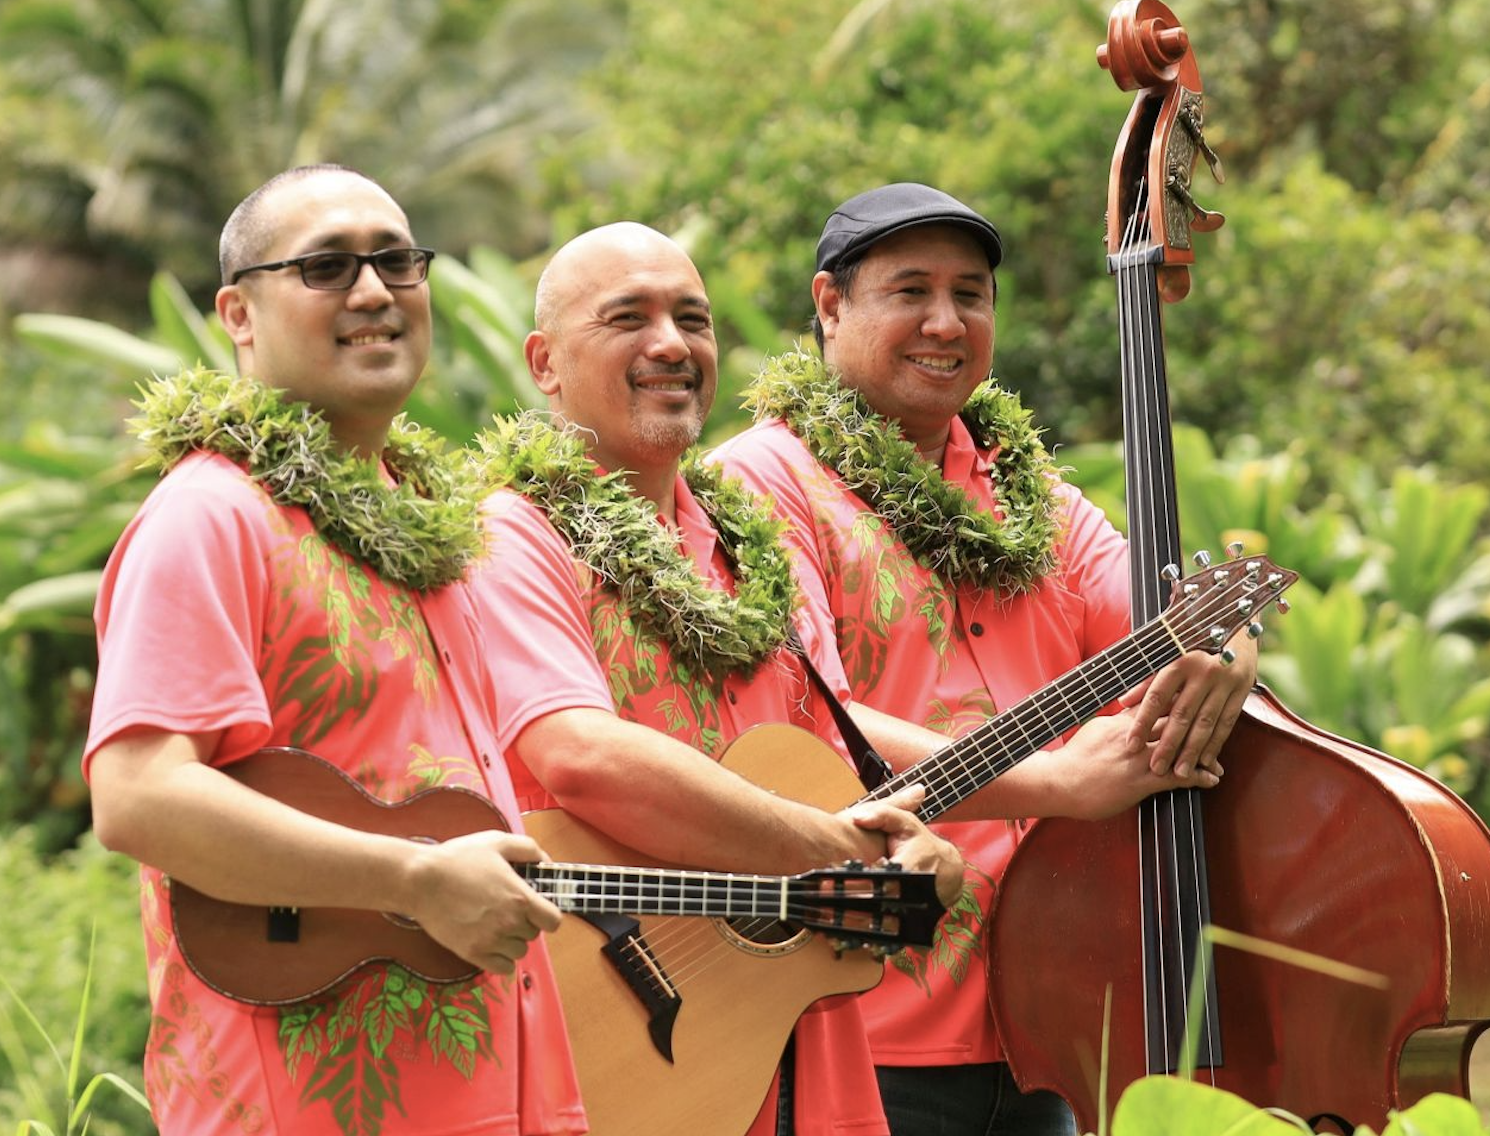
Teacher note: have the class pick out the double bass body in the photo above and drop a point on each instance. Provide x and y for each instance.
(1313, 843)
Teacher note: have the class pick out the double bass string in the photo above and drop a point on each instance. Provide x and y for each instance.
(1170, 837)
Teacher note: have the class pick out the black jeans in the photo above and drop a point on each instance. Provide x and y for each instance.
(967, 1100)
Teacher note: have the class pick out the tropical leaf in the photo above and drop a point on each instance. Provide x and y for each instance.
(1169, 1106)
(1428, 531)
(91, 339)
(183, 328)
(57, 603)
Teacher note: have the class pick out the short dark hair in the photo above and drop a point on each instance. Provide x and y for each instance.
(843, 275)
(245, 235)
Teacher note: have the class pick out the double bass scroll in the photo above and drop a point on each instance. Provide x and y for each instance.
(1156, 153)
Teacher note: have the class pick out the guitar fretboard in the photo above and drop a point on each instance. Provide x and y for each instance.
(862, 905)
(1203, 619)
(588, 889)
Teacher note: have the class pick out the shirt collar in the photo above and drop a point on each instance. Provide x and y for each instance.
(694, 526)
(962, 459)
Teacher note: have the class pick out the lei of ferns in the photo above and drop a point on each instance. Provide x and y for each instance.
(616, 534)
(421, 532)
(936, 521)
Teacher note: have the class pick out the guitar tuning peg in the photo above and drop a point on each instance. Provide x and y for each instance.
(1218, 635)
(1202, 559)
(1170, 572)
(1228, 656)
(1254, 630)
(1282, 606)
(1234, 549)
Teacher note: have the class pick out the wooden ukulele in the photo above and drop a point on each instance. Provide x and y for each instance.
(691, 1018)
(271, 956)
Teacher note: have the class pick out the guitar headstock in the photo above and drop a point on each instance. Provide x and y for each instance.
(883, 907)
(1207, 608)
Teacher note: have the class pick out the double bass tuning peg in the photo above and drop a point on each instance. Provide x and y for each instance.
(1191, 122)
(1201, 220)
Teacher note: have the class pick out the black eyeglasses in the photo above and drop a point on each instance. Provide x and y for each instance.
(338, 271)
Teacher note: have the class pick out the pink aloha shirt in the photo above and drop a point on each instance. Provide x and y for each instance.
(563, 641)
(945, 658)
(220, 610)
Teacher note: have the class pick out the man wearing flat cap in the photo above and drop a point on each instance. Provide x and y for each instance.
(931, 528)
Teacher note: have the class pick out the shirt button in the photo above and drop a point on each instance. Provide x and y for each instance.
(527, 981)
(976, 628)
(732, 696)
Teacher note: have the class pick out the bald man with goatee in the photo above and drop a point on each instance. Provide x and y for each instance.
(640, 622)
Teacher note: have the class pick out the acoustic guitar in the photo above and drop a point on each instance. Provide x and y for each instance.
(690, 1018)
(270, 956)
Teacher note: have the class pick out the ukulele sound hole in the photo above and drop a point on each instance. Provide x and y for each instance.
(762, 936)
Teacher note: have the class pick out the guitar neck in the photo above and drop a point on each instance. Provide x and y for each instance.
(592, 889)
(974, 760)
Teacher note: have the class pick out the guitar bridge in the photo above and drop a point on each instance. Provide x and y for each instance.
(629, 953)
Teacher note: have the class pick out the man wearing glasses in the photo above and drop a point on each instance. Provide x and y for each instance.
(297, 578)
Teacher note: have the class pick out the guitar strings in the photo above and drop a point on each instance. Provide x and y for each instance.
(995, 747)
(687, 947)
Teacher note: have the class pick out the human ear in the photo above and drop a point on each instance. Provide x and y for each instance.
(538, 353)
(233, 311)
(828, 299)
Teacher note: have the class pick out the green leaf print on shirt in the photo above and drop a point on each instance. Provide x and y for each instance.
(335, 673)
(953, 719)
(408, 636)
(459, 1032)
(882, 585)
(645, 682)
(959, 937)
(429, 771)
(341, 1049)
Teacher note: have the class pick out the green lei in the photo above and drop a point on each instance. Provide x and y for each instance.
(940, 525)
(422, 532)
(616, 534)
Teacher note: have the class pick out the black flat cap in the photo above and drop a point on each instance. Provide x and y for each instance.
(872, 216)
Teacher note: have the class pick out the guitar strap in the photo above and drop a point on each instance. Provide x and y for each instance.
(786, 1088)
(872, 769)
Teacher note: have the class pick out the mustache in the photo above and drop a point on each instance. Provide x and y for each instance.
(395, 325)
(683, 369)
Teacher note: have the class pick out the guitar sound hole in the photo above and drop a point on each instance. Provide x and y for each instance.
(762, 936)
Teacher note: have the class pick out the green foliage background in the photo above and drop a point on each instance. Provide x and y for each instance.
(1327, 371)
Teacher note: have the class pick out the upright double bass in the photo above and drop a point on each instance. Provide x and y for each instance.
(1311, 842)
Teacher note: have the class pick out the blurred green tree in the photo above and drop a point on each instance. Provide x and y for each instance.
(132, 127)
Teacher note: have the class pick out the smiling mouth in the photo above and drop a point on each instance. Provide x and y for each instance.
(945, 366)
(670, 381)
(368, 339)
